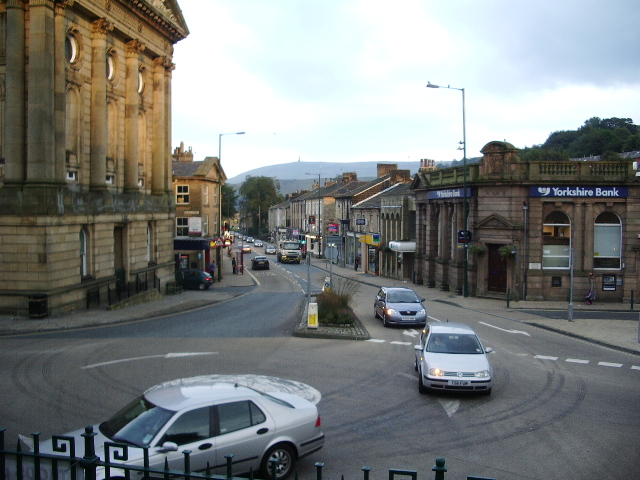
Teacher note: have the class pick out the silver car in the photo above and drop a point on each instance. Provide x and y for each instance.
(451, 357)
(212, 419)
(399, 306)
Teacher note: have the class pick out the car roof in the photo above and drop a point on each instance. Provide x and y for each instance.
(259, 257)
(390, 289)
(451, 327)
(187, 392)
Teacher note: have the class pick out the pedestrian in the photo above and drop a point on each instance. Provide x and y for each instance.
(233, 264)
(590, 295)
(357, 262)
(213, 271)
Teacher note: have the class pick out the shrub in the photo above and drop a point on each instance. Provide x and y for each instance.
(334, 307)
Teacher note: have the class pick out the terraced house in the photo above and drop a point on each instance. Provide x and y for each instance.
(86, 200)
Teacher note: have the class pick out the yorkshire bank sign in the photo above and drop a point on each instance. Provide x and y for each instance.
(568, 192)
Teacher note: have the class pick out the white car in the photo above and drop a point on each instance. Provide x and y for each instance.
(451, 357)
(212, 419)
(258, 243)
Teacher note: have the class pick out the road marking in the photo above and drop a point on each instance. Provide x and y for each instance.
(450, 406)
(544, 357)
(411, 333)
(520, 332)
(134, 359)
(576, 360)
(609, 364)
(633, 367)
(376, 340)
(400, 343)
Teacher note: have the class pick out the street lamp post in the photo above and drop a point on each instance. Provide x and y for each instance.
(465, 205)
(220, 160)
(318, 220)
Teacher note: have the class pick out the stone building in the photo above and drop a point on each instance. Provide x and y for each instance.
(198, 232)
(85, 122)
(539, 229)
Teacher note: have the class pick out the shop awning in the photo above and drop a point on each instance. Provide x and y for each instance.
(398, 246)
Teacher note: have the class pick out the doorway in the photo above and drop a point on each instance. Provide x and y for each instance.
(497, 270)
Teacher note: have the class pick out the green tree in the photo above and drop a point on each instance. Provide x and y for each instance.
(229, 201)
(258, 194)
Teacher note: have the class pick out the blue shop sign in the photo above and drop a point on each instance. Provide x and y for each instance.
(449, 193)
(569, 192)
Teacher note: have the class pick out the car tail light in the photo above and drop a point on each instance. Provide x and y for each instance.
(318, 422)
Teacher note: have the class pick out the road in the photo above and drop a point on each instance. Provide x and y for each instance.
(560, 407)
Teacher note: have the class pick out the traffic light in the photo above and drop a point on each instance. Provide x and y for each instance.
(464, 236)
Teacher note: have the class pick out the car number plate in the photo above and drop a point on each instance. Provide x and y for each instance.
(408, 318)
(459, 382)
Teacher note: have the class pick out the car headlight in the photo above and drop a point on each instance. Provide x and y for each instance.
(391, 311)
(482, 374)
(436, 372)
(422, 312)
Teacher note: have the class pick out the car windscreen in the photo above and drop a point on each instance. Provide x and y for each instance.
(137, 424)
(454, 343)
(402, 297)
(291, 246)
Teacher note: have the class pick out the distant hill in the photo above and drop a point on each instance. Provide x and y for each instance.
(297, 171)
(292, 176)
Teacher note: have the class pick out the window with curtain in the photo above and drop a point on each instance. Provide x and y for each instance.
(607, 241)
(556, 241)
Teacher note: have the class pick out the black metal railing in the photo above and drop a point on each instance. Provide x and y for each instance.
(123, 290)
(66, 464)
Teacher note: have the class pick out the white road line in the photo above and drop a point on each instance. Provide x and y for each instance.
(134, 359)
(545, 357)
(375, 340)
(576, 360)
(521, 332)
(400, 343)
(633, 367)
(609, 364)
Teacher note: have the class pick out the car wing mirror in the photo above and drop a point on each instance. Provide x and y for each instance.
(169, 447)
(417, 348)
(488, 350)
(423, 299)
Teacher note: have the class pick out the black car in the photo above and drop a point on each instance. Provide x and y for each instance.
(260, 262)
(196, 279)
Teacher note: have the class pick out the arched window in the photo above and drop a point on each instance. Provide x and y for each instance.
(84, 263)
(556, 241)
(607, 241)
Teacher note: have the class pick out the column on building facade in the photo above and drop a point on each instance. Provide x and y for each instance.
(131, 116)
(168, 173)
(40, 97)
(589, 244)
(14, 94)
(99, 117)
(578, 235)
(446, 223)
(158, 160)
(60, 96)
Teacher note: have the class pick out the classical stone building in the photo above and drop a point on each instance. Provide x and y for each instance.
(85, 120)
(540, 230)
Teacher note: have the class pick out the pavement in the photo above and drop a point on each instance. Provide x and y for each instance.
(617, 331)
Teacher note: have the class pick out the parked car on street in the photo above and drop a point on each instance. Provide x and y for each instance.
(399, 306)
(450, 356)
(270, 250)
(196, 279)
(211, 419)
(258, 243)
(260, 262)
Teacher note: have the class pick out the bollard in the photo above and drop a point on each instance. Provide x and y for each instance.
(508, 296)
(632, 292)
(439, 468)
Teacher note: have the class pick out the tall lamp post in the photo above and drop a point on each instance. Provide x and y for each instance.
(465, 205)
(220, 201)
(318, 219)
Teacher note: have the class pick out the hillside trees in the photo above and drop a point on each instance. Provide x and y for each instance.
(596, 137)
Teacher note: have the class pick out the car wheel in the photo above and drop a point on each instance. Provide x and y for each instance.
(487, 392)
(422, 388)
(201, 286)
(285, 461)
(385, 322)
(375, 313)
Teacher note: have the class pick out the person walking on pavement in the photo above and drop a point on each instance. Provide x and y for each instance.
(357, 262)
(233, 264)
(213, 271)
(590, 296)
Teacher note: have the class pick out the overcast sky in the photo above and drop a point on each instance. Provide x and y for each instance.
(345, 80)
